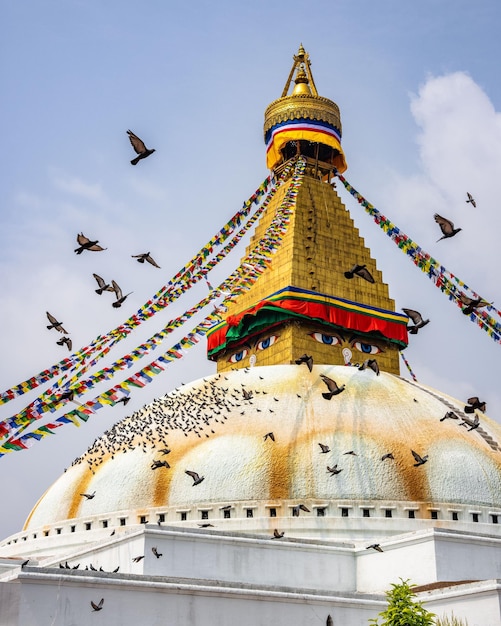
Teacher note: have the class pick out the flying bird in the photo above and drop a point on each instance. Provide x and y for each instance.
(307, 360)
(136, 559)
(206, 525)
(67, 341)
(278, 535)
(388, 455)
(361, 271)
(471, 199)
(370, 364)
(332, 386)
(474, 403)
(375, 546)
(449, 415)
(471, 304)
(89, 496)
(352, 452)
(67, 395)
(420, 460)
(139, 148)
(98, 606)
(120, 297)
(141, 258)
(164, 451)
(446, 226)
(472, 425)
(85, 243)
(270, 436)
(55, 324)
(125, 400)
(333, 470)
(418, 320)
(299, 507)
(103, 285)
(196, 478)
(156, 552)
(156, 464)
(247, 394)
(324, 449)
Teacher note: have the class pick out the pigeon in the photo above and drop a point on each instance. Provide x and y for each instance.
(67, 395)
(324, 449)
(332, 386)
(120, 297)
(418, 320)
(55, 324)
(156, 464)
(140, 149)
(86, 244)
(164, 451)
(103, 285)
(388, 455)
(116, 569)
(206, 525)
(375, 546)
(67, 341)
(472, 425)
(307, 359)
(420, 460)
(24, 563)
(471, 199)
(247, 394)
(136, 559)
(125, 400)
(278, 535)
(446, 226)
(89, 496)
(196, 478)
(474, 403)
(370, 364)
(156, 553)
(329, 621)
(98, 606)
(352, 452)
(361, 271)
(449, 415)
(269, 435)
(471, 304)
(299, 507)
(141, 258)
(333, 470)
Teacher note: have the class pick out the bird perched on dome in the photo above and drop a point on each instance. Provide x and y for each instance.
(446, 226)
(361, 271)
(277, 534)
(417, 319)
(141, 258)
(85, 243)
(140, 149)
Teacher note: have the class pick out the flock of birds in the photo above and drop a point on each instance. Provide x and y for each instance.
(92, 245)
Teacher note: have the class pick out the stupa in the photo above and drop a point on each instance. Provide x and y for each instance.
(306, 442)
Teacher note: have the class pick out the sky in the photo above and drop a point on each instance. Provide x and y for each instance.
(420, 98)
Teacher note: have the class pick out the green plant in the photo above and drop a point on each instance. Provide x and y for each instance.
(402, 609)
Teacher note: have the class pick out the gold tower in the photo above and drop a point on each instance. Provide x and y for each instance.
(306, 305)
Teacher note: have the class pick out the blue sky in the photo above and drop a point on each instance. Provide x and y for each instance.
(419, 92)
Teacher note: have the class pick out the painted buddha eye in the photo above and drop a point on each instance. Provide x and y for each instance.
(266, 343)
(366, 348)
(238, 356)
(330, 340)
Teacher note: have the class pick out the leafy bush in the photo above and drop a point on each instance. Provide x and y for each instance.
(402, 609)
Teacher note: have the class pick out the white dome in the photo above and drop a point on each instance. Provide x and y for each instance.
(210, 428)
